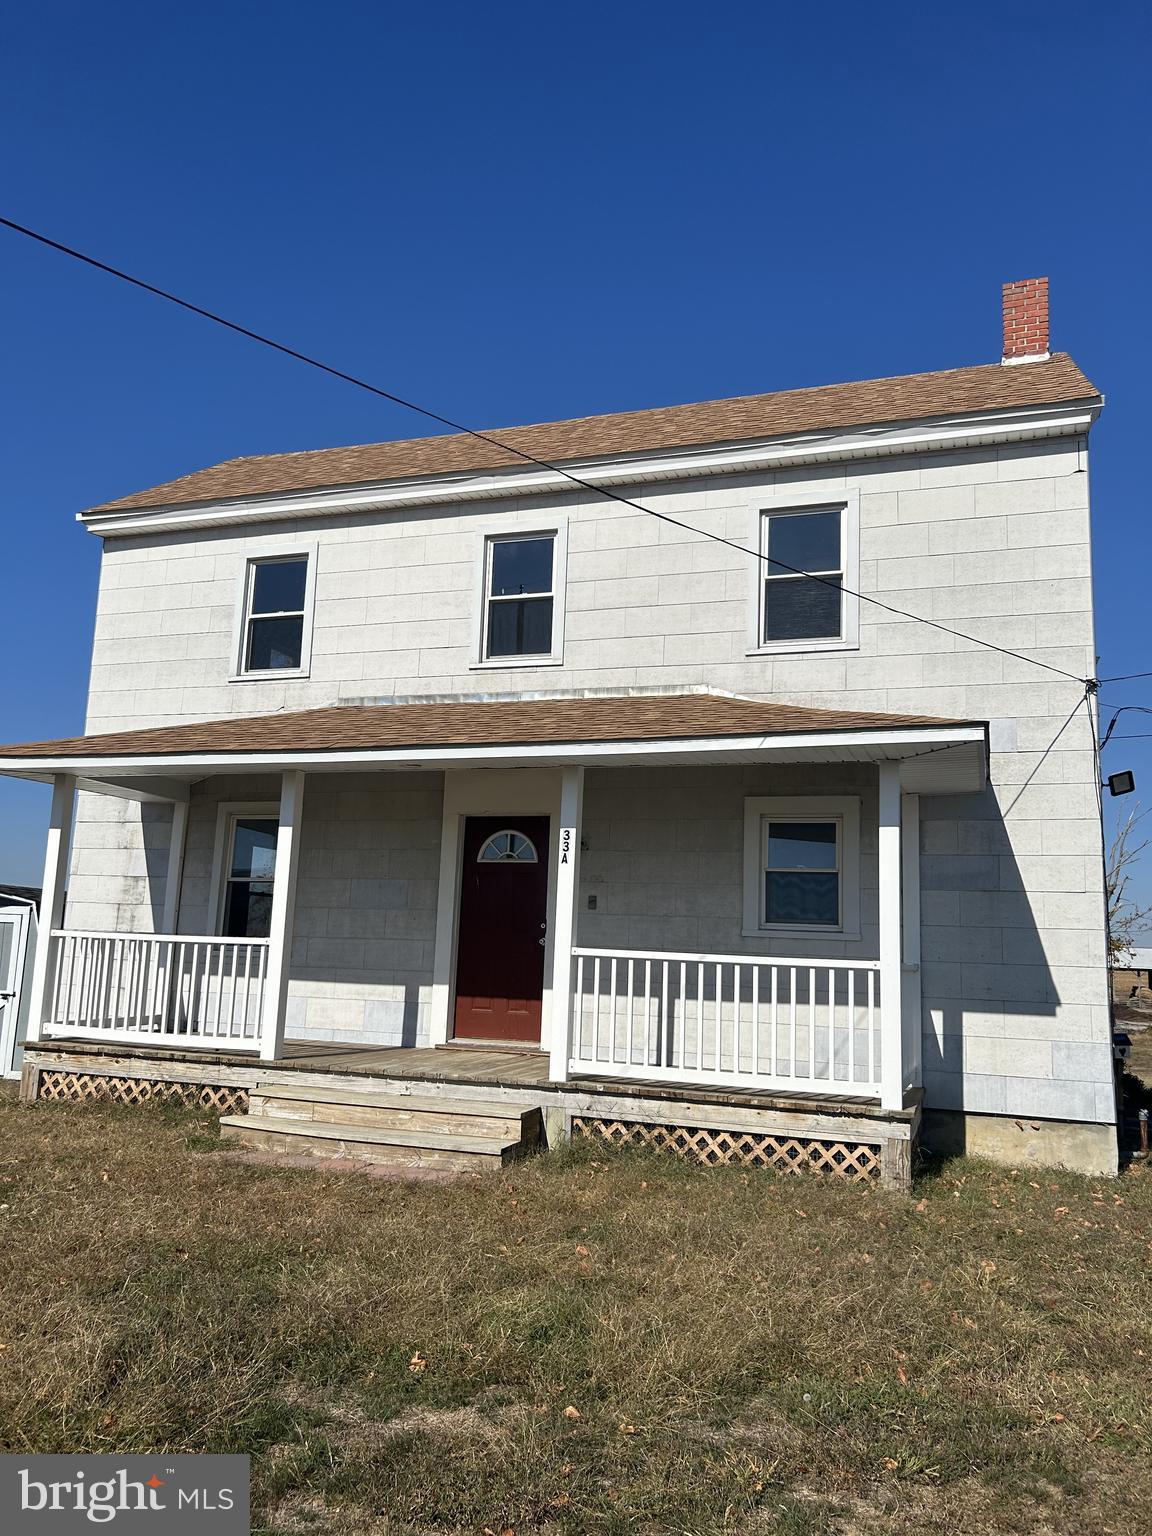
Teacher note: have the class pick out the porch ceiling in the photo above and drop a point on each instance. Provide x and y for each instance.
(939, 756)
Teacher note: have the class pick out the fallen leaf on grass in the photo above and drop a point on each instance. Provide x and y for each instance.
(572, 1413)
(418, 1362)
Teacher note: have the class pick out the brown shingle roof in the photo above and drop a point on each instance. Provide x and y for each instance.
(907, 398)
(490, 723)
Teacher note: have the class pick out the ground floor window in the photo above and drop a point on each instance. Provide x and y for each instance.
(801, 865)
(245, 871)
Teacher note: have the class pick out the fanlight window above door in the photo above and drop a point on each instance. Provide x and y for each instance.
(507, 847)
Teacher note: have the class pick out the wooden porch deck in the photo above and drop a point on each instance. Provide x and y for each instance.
(850, 1135)
(453, 1063)
(513, 1070)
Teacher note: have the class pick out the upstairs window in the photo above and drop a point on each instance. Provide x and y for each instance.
(519, 596)
(802, 597)
(276, 602)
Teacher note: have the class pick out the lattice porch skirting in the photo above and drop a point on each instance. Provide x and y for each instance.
(787, 1154)
(91, 1087)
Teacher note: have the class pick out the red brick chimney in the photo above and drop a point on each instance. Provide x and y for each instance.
(1026, 321)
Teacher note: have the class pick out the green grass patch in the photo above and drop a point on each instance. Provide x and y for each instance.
(585, 1343)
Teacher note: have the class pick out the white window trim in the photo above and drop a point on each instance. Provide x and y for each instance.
(227, 812)
(240, 623)
(849, 640)
(844, 809)
(557, 530)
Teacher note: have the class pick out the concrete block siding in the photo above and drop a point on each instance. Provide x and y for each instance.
(994, 543)
(664, 858)
(365, 922)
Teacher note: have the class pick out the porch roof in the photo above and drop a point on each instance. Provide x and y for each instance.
(687, 727)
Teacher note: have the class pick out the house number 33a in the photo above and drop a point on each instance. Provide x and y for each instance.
(565, 845)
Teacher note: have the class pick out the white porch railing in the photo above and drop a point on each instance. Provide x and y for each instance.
(160, 988)
(802, 1026)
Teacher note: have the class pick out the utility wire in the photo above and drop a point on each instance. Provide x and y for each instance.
(1126, 678)
(1124, 709)
(1105, 879)
(496, 442)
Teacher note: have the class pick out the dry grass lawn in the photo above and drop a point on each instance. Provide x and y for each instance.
(586, 1344)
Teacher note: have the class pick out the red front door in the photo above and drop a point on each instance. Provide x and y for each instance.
(503, 917)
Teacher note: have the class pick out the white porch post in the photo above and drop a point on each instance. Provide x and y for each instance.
(910, 994)
(564, 920)
(175, 866)
(283, 908)
(891, 941)
(53, 887)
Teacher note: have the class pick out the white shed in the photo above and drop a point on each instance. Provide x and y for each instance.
(19, 907)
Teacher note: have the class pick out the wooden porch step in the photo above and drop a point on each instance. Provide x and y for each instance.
(422, 1111)
(365, 1143)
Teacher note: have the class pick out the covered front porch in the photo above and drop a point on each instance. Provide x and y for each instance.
(646, 817)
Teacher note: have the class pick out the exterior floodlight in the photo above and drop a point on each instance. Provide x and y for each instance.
(1121, 783)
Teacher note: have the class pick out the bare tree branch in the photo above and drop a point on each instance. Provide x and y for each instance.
(1126, 918)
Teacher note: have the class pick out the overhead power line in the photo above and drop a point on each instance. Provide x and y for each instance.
(496, 442)
(1124, 709)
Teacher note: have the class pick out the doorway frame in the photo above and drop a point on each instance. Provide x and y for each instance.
(505, 819)
(510, 792)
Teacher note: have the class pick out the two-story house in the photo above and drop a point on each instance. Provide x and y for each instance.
(758, 816)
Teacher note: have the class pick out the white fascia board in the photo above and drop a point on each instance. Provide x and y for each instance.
(891, 743)
(732, 458)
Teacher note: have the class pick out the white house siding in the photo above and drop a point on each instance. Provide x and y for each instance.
(664, 850)
(993, 542)
(365, 921)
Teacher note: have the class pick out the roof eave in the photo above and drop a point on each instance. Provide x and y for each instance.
(953, 431)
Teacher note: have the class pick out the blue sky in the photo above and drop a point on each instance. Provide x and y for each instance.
(518, 212)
